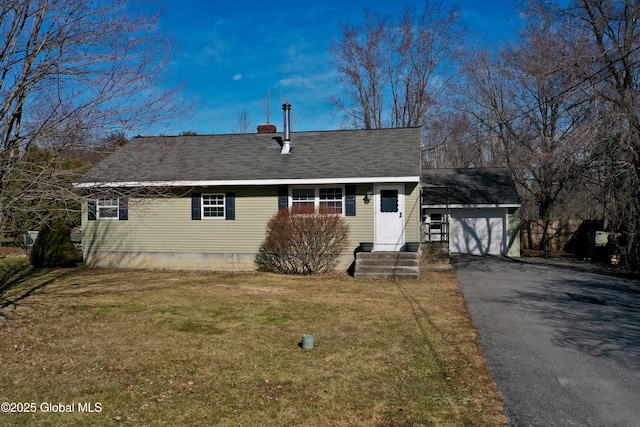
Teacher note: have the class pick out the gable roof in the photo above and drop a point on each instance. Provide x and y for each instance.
(473, 186)
(254, 159)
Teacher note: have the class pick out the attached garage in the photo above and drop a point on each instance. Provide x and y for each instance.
(474, 210)
(477, 231)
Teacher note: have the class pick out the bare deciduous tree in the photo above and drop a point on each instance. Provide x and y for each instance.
(265, 104)
(606, 35)
(527, 103)
(452, 141)
(70, 72)
(243, 125)
(394, 69)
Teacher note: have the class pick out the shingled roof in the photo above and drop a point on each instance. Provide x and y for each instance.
(339, 156)
(474, 186)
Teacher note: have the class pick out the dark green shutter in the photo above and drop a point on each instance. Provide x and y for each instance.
(91, 210)
(283, 197)
(350, 200)
(195, 206)
(230, 206)
(123, 209)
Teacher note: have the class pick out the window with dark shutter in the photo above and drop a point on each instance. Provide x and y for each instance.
(319, 196)
(108, 209)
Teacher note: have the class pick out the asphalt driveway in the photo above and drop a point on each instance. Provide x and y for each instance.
(562, 339)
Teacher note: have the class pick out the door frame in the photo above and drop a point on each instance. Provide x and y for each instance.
(377, 246)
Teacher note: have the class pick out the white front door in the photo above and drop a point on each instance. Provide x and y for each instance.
(389, 217)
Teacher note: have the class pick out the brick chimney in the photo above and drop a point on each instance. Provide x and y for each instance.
(269, 128)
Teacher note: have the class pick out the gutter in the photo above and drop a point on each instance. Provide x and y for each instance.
(251, 182)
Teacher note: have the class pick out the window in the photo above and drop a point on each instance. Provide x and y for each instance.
(388, 200)
(117, 209)
(332, 197)
(213, 206)
(107, 209)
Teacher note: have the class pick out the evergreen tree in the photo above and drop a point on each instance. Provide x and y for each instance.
(53, 247)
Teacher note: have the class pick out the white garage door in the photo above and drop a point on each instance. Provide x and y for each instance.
(477, 231)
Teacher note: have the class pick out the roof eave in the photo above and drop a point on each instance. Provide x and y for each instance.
(254, 182)
(472, 205)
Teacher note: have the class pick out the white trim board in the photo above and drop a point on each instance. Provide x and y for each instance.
(478, 206)
(251, 182)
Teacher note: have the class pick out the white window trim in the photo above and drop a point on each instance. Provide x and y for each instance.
(224, 206)
(316, 200)
(108, 218)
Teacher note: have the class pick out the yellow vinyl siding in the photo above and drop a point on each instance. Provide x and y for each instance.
(160, 233)
(165, 225)
(412, 212)
(361, 225)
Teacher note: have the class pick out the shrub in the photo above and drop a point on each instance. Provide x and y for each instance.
(303, 240)
(53, 247)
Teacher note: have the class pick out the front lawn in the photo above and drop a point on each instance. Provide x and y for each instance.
(150, 348)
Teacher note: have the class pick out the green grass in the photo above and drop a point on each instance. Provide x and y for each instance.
(202, 349)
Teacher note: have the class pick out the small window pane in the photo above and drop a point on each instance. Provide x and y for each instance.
(388, 200)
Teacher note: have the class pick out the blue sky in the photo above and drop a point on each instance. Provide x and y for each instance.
(232, 52)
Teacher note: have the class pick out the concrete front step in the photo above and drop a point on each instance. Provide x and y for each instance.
(401, 262)
(388, 255)
(388, 265)
(435, 254)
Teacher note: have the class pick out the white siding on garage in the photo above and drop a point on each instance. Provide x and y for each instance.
(478, 231)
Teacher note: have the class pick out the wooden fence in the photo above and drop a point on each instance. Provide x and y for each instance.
(559, 233)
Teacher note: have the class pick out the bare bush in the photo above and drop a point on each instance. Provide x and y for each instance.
(303, 240)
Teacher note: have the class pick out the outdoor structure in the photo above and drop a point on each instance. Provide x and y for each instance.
(208, 198)
(474, 210)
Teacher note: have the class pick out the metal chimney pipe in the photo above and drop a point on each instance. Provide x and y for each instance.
(286, 144)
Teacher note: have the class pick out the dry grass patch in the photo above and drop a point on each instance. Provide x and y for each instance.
(195, 348)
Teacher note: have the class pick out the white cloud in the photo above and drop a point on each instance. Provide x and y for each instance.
(237, 77)
(295, 82)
